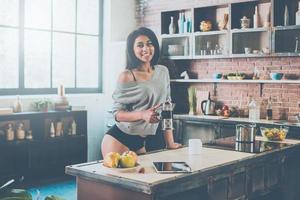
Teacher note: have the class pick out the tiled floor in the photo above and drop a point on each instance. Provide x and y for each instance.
(66, 190)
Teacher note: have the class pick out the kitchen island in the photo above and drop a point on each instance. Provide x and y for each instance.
(216, 174)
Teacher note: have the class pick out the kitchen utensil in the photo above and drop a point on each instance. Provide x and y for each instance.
(165, 112)
(208, 106)
(245, 132)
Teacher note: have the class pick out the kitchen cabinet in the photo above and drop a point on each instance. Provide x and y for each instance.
(42, 157)
(206, 131)
(269, 38)
(222, 174)
(225, 127)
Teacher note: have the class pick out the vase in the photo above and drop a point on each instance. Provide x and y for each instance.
(172, 28)
(286, 16)
(245, 22)
(192, 100)
(298, 15)
(181, 23)
(256, 18)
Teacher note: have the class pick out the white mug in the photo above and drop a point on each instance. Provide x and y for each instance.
(248, 50)
(195, 146)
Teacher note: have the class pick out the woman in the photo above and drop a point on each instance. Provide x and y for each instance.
(141, 88)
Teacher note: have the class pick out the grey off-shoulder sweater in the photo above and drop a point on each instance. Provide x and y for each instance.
(141, 95)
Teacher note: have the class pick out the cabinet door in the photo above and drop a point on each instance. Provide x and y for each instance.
(74, 151)
(13, 161)
(206, 131)
(227, 130)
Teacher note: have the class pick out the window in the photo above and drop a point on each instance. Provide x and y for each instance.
(46, 43)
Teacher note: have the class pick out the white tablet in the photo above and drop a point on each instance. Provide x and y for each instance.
(172, 167)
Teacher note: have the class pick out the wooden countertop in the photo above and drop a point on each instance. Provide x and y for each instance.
(209, 159)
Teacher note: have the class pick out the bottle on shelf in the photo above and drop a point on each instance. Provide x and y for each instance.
(254, 110)
(208, 47)
(61, 102)
(298, 15)
(59, 129)
(269, 109)
(29, 135)
(52, 130)
(267, 19)
(181, 23)
(172, 28)
(18, 105)
(10, 134)
(189, 25)
(73, 127)
(256, 18)
(286, 19)
(255, 74)
(297, 45)
(20, 133)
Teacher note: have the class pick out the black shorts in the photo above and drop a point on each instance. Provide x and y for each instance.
(136, 142)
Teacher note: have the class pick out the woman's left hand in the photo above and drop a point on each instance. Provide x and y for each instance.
(174, 145)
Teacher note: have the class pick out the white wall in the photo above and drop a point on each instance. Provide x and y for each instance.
(118, 22)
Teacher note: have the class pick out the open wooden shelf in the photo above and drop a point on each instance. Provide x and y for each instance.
(270, 34)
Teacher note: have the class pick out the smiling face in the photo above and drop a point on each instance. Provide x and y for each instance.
(143, 49)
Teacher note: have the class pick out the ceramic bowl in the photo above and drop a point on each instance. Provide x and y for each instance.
(276, 76)
(175, 50)
(217, 76)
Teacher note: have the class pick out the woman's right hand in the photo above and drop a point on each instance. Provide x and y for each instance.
(150, 115)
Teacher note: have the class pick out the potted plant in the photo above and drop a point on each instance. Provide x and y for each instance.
(42, 105)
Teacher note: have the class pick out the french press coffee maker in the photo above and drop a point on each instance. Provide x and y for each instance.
(167, 115)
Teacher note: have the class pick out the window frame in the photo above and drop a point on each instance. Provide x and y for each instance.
(21, 90)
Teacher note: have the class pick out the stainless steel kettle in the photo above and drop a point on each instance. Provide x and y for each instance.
(208, 106)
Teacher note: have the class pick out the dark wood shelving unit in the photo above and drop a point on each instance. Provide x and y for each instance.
(42, 157)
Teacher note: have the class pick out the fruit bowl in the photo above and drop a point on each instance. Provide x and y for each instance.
(274, 134)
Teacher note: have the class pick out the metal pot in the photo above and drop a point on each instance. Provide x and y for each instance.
(245, 132)
(245, 146)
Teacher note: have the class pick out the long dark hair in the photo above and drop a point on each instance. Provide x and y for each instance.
(132, 61)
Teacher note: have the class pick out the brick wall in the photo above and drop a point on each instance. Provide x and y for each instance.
(285, 96)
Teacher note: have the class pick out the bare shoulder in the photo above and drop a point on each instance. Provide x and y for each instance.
(162, 68)
(125, 77)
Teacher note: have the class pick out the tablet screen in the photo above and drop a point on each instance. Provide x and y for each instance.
(172, 167)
